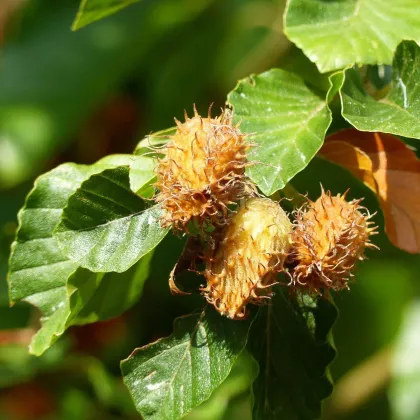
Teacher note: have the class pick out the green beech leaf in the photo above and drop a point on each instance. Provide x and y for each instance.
(291, 341)
(399, 111)
(336, 34)
(93, 10)
(142, 173)
(404, 391)
(236, 385)
(38, 270)
(149, 148)
(100, 296)
(336, 81)
(92, 297)
(105, 225)
(142, 176)
(112, 161)
(142, 168)
(170, 377)
(287, 121)
(151, 144)
(36, 264)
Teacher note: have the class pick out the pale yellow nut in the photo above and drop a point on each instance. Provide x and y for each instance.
(252, 248)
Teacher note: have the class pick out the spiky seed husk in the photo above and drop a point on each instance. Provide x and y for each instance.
(203, 171)
(330, 236)
(252, 249)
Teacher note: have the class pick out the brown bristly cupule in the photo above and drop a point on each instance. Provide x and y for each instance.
(330, 236)
(202, 171)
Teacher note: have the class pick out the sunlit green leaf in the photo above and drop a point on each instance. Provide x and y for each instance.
(93, 10)
(294, 354)
(151, 144)
(336, 80)
(36, 265)
(399, 111)
(142, 168)
(336, 34)
(142, 173)
(238, 383)
(287, 121)
(105, 225)
(38, 269)
(142, 176)
(170, 377)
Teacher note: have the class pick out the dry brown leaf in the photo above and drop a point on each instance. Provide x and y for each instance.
(390, 169)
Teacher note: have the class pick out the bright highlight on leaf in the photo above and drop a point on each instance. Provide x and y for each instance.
(286, 120)
(391, 170)
(399, 111)
(337, 34)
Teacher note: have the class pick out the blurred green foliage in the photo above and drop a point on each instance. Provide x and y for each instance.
(81, 95)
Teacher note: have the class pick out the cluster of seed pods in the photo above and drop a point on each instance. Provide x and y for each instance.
(202, 175)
